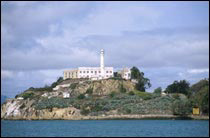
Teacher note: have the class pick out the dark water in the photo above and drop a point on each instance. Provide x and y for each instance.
(105, 128)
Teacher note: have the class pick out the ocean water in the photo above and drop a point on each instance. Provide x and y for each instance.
(164, 128)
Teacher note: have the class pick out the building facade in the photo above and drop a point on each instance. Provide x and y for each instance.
(94, 73)
(125, 73)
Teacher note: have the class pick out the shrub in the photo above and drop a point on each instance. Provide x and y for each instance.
(128, 111)
(181, 107)
(144, 95)
(97, 108)
(147, 97)
(73, 85)
(89, 90)
(112, 94)
(131, 93)
(158, 90)
(27, 95)
(52, 102)
(84, 111)
(116, 78)
(122, 89)
(176, 96)
(81, 96)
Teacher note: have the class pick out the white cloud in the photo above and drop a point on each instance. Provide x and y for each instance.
(197, 71)
(6, 74)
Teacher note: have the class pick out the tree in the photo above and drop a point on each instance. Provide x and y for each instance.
(200, 95)
(158, 90)
(59, 80)
(116, 74)
(199, 85)
(135, 73)
(179, 87)
(142, 82)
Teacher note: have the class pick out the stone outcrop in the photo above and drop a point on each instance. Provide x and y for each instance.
(104, 87)
(16, 109)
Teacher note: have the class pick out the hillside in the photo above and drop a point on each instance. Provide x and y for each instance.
(84, 99)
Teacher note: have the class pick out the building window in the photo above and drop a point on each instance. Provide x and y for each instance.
(99, 71)
(110, 71)
(83, 71)
(107, 72)
(95, 72)
(125, 74)
(106, 75)
(87, 71)
(91, 71)
(88, 76)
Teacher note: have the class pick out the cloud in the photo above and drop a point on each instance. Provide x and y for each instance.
(6, 74)
(197, 71)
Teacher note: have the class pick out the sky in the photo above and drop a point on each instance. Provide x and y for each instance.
(167, 41)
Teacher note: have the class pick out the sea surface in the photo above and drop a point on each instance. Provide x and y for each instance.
(163, 128)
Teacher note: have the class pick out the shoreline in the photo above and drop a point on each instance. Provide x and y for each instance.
(123, 117)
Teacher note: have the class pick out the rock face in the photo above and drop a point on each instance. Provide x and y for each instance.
(19, 108)
(104, 87)
(23, 109)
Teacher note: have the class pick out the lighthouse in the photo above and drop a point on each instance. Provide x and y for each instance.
(102, 63)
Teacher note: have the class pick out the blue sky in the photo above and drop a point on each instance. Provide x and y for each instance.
(166, 40)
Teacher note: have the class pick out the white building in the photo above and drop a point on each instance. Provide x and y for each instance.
(94, 73)
(125, 73)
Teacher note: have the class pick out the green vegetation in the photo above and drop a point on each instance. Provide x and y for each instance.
(181, 86)
(122, 89)
(27, 95)
(73, 85)
(112, 94)
(46, 103)
(143, 83)
(85, 111)
(59, 80)
(197, 96)
(158, 90)
(144, 95)
(200, 95)
(131, 93)
(116, 78)
(81, 96)
(181, 107)
(117, 75)
(89, 91)
(124, 103)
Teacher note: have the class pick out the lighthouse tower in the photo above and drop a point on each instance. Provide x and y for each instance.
(102, 63)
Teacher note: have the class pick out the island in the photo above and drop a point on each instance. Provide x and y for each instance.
(111, 98)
